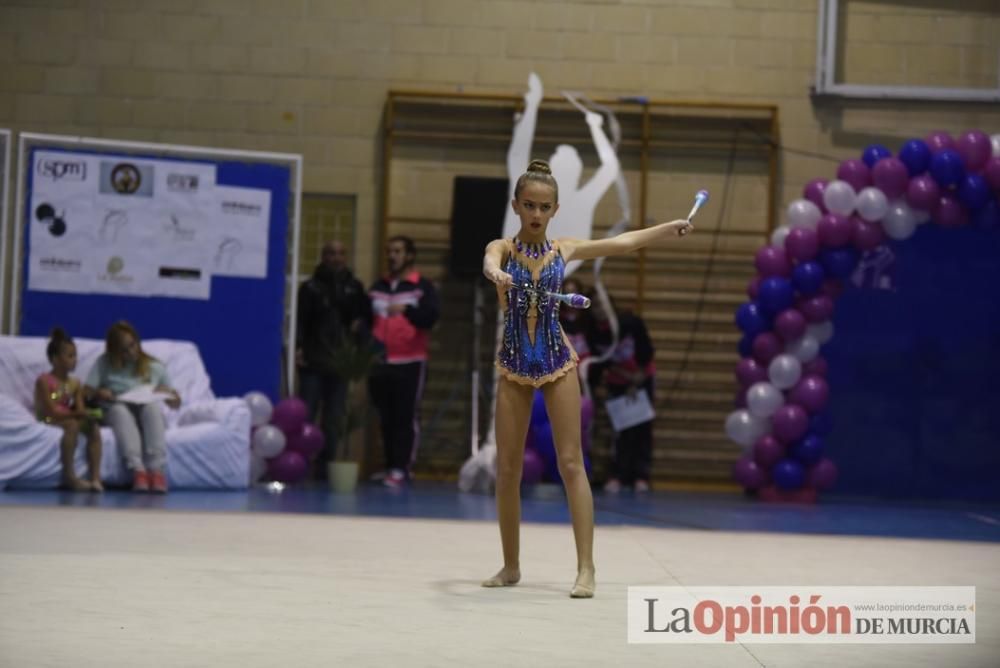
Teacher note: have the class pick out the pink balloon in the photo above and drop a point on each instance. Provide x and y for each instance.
(975, 148)
(747, 473)
(832, 288)
(814, 192)
(817, 366)
(923, 192)
(307, 441)
(811, 392)
(771, 261)
(834, 230)
(790, 324)
(748, 372)
(753, 287)
(856, 173)
(802, 243)
(939, 141)
(823, 475)
(891, 177)
(866, 235)
(766, 346)
(949, 212)
(789, 423)
(289, 415)
(768, 451)
(289, 467)
(992, 172)
(816, 309)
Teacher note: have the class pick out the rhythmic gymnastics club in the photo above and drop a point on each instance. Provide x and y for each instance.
(571, 299)
(700, 198)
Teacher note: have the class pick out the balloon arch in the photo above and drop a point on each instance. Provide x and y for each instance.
(780, 420)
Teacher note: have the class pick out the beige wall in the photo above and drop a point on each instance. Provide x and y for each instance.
(310, 76)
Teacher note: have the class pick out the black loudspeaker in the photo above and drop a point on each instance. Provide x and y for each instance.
(478, 207)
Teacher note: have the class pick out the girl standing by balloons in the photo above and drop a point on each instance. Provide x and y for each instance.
(536, 354)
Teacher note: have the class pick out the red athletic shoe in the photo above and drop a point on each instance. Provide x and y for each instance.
(140, 481)
(158, 483)
(395, 479)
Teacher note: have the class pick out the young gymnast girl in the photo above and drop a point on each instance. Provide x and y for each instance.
(535, 353)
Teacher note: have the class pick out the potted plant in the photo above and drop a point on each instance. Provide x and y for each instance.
(353, 361)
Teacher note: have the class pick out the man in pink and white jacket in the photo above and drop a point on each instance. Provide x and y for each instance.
(405, 307)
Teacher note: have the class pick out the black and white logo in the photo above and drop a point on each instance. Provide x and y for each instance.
(58, 170)
(60, 264)
(241, 208)
(46, 214)
(182, 183)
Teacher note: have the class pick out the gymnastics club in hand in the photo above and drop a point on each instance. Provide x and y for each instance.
(700, 198)
(571, 299)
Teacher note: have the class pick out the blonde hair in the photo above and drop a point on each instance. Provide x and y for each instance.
(115, 349)
(539, 172)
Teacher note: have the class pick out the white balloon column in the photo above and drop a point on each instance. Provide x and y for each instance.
(780, 421)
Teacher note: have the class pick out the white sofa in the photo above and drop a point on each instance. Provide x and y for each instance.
(208, 439)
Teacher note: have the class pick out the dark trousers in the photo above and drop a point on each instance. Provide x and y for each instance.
(396, 390)
(633, 450)
(325, 395)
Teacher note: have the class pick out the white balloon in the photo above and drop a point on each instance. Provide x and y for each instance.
(804, 349)
(803, 213)
(872, 204)
(778, 236)
(839, 197)
(784, 371)
(763, 399)
(268, 441)
(260, 408)
(995, 141)
(900, 221)
(258, 467)
(821, 331)
(744, 428)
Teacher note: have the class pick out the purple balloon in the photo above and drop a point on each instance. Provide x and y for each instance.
(790, 324)
(766, 347)
(802, 243)
(949, 213)
(771, 261)
(891, 177)
(753, 287)
(788, 474)
(817, 366)
(748, 372)
(856, 173)
(789, 423)
(939, 141)
(975, 148)
(974, 192)
(740, 398)
(923, 192)
(814, 192)
(747, 473)
(866, 235)
(811, 392)
(992, 173)
(289, 466)
(586, 412)
(289, 415)
(816, 309)
(768, 451)
(307, 441)
(533, 468)
(834, 230)
(832, 288)
(823, 475)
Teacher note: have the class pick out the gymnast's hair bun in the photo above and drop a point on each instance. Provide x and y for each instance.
(539, 166)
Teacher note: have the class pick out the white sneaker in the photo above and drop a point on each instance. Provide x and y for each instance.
(612, 486)
(641, 486)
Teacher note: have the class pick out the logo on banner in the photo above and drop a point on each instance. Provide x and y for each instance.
(112, 224)
(126, 178)
(241, 208)
(60, 264)
(182, 183)
(114, 272)
(178, 231)
(46, 214)
(58, 170)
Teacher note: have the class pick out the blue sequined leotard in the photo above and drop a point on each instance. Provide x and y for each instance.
(534, 350)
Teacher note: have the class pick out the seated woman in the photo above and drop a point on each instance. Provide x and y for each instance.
(59, 402)
(138, 428)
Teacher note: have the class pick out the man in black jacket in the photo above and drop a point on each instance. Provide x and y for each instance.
(332, 305)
